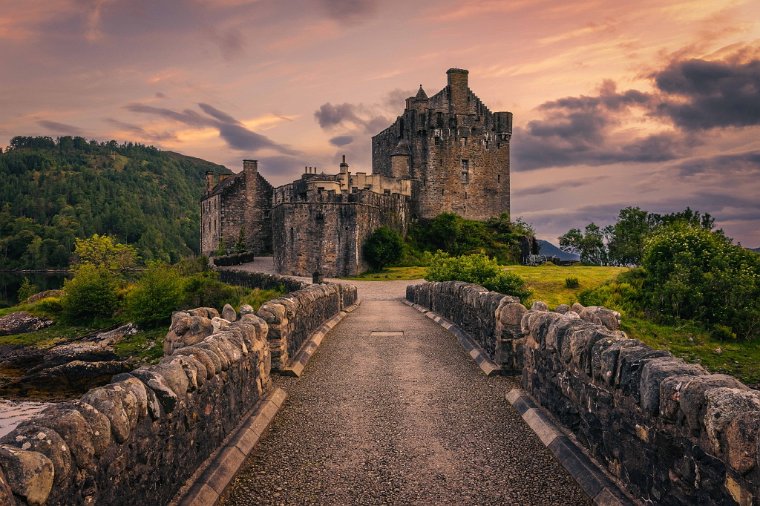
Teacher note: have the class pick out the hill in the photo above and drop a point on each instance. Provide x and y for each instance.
(548, 249)
(54, 191)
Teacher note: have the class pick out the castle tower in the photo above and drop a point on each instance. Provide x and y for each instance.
(454, 150)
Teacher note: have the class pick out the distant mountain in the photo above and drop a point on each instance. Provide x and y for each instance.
(548, 249)
(54, 191)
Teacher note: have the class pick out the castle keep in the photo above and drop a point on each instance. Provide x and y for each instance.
(445, 153)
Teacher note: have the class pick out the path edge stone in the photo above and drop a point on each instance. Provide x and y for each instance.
(296, 366)
(597, 484)
(207, 484)
(473, 349)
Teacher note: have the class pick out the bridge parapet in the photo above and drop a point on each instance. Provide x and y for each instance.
(672, 432)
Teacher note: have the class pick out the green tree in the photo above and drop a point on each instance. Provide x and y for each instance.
(589, 244)
(383, 247)
(157, 293)
(27, 289)
(103, 251)
(626, 245)
(92, 293)
(695, 273)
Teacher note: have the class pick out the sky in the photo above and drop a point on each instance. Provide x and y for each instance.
(651, 103)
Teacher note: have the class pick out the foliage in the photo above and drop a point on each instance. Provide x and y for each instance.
(498, 237)
(383, 247)
(393, 273)
(92, 293)
(157, 293)
(589, 244)
(693, 273)
(27, 289)
(55, 191)
(572, 283)
(105, 252)
(478, 269)
(192, 265)
(622, 243)
(240, 244)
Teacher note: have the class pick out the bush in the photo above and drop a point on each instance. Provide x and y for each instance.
(478, 269)
(694, 273)
(26, 290)
(92, 293)
(157, 293)
(572, 283)
(207, 291)
(383, 247)
(621, 294)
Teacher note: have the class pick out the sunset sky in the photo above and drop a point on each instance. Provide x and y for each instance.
(649, 103)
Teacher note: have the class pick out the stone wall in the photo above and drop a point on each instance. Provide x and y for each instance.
(294, 317)
(491, 319)
(260, 280)
(146, 432)
(673, 433)
(326, 232)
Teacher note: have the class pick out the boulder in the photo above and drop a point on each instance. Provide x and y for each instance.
(539, 306)
(723, 405)
(742, 441)
(228, 313)
(246, 309)
(186, 330)
(562, 309)
(21, 322)
(44, 295)
(29, 474)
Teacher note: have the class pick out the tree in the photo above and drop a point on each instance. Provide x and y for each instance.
(590, 244)
(383, 247)
(157, 293)
(91, 293)
(103, 251)
(627, 236)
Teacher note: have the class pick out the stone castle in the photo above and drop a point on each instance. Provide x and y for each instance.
(445, 153)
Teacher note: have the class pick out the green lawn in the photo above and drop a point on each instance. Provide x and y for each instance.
(547, 282)
(391, 273)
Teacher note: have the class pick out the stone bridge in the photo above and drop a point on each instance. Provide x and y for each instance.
(419, 393)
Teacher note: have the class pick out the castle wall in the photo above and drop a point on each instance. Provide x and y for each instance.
(446, 135)
(210, 224)
(326, 232)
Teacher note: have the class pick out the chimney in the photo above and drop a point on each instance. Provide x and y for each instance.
(209, 181)
(250, 166)
(458, 91)
(343, 166)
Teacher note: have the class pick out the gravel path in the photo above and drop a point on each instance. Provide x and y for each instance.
(398, 420)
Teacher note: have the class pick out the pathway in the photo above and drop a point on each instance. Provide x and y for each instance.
(398, 419)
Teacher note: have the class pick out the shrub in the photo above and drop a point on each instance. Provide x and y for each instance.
(478, 269)
(26, 290)
(92, 293)
(157, 293)
(694, 273)
(206, 290)
(104, 252)
(383, 247)
(572, 283)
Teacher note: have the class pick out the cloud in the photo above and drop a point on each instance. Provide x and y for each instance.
(349, 10)
(141, 132)
(231, 130)
(341, 140)
(60, 128)
(734, 164)
(701, 94)
(543, 189)
(333, 115)
(230, 42)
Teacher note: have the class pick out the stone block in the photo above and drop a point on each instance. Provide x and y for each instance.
(692, 400)
(654, 372)
(722, 406)
(29, 474)
(742, 438)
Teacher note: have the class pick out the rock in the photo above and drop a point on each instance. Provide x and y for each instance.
(562, 309)
(539, 306)
(601, 316)
(44, 295)
(6, 494)
(692, 398)
(74, 429)
(654, 372)
(29, 474)
(116, 335)
(742, 441)
(33, 437)
(246, 309)
(21, 322)
(219, 324)
(204, 312)
(723, 405)
(228, 313)
(109, 402)
(185, 331)
(77, 375)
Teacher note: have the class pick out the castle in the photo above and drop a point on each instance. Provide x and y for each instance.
(445, 153)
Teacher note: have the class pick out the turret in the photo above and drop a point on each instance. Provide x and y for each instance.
(343, 166)
(209, 181)
(458, 91)
(251, 169)
(400, 159)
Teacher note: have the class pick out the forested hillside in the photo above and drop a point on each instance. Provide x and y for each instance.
(54, 191)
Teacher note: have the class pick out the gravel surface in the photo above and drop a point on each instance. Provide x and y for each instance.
(401, 420)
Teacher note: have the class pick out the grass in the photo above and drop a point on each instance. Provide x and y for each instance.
(689, 341)
(547, 282)
(392, 273)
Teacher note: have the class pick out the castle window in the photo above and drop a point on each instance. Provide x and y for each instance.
(498, 178)
(465, 171)
(437, 141)
(439, 119)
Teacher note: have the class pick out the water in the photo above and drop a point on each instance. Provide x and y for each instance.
(13, 413)
(11, 281)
